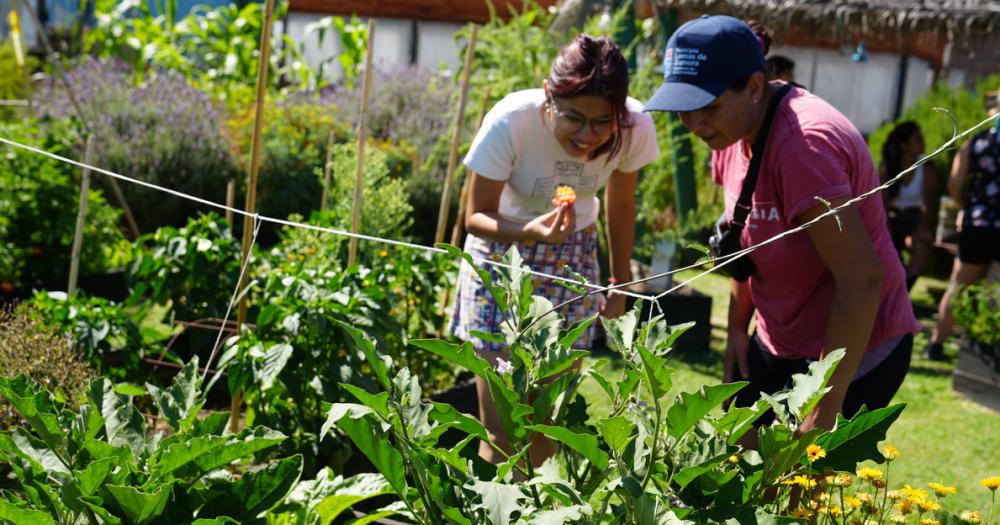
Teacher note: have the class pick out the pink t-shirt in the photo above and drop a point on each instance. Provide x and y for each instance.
(812, 151)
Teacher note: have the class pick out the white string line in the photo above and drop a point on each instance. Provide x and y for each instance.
(478, 260)
(236, 293)
(831, 212)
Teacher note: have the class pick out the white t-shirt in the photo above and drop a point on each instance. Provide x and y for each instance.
(517, 145)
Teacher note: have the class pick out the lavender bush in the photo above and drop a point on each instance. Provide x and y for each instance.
(163, 131)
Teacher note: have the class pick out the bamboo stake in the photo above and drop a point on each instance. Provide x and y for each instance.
(327, 169)
(463, 196)
(230, 199)
(352, 251)
(61, 75)
(81, 218)
(456, 138)
(251, 202)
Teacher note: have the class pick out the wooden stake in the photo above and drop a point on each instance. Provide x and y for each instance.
(61, 75)
(327, 169)
(230, 199)
(81, 218)
(251, 202)
(463, 196)
(456, 138)
(352, 251)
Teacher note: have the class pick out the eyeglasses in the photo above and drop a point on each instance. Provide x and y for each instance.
(569, 121)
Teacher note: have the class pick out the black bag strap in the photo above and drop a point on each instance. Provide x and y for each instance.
(750, 182)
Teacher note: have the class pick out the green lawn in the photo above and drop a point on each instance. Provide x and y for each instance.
(941, 436)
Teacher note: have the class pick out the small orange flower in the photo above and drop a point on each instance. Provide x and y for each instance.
(564, 195)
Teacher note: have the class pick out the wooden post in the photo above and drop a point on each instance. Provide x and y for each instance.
(61, 75)
(251, 203)
(230, 199)
(327, 169)
(352, 251)
(456, 138)
(81, 218)
(463, 196)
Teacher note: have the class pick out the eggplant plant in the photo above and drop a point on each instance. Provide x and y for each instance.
(657, 457)
(101, 464)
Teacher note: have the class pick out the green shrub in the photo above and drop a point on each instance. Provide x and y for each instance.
(29, 347)
(38, 208)
(101, 464)
(977, 311)
(193, 269)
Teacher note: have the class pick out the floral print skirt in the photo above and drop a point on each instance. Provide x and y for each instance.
(475, 309)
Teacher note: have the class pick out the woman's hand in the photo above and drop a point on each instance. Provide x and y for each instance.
(553, 227)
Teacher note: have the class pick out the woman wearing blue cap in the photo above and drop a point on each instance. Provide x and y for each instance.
(537, 148)
(781, 154)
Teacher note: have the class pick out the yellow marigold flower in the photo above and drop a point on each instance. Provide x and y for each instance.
(802, 513)
(894, 495)
(890, 452)
(928, 521)
(852, 502)
(991, 483)
(970, 516)
(841, 480)
(814, 452)
(912, 493)
(735, 458)
(905, 506)
(804, 481)
(864, 497)
(942, 490)
(927, 505)
(868, 473)
(383, 253)
(822, 496)
(897, 518)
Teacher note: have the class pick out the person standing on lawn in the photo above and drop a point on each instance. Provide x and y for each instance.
(908, 202)
(581, 131)
(979, 233)
(840, 283)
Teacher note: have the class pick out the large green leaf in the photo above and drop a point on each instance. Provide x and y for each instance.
(123, 424)
(690, 407)
(621, 330)
(586, 445)
(378, 402)
(737, 421)
(809, 388)
(575, 331)
(497, 500)
(36, 406)
(349, 492)
(179, 402)
(374, 444)
(274, 360)
(19, 515)
(559, 516)
(37, 453)
(856, 440)
(256, 491)
(459, 354)
(557, 359)
(140, 507)
(617, 432)
(447, 417)
(366, 344)
(656, 371)
(193, 457)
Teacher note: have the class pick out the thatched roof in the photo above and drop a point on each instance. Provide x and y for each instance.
(954, 18)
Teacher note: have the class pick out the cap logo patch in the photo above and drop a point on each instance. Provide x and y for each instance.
(688, 60)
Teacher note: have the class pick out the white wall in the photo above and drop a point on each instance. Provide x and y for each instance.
(436, 46)
(864, 91)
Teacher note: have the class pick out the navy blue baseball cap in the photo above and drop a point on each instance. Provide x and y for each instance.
(703, 58)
